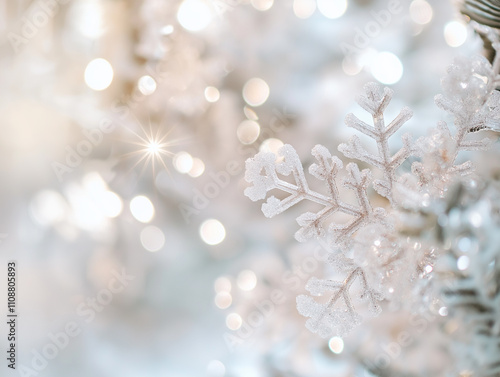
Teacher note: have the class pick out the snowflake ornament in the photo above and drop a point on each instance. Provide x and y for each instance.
(368, 247)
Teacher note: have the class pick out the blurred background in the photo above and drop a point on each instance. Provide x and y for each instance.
(124, 130)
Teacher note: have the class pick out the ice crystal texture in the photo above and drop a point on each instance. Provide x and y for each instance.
(368, 248)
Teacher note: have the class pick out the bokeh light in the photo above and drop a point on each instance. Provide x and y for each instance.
(248, 131)
(455, 33)
(194, 15)
(222, 284)
(215, 368)
(233, 321)
(336, 344)
(223, 300)
(142, 209)
(98, 74)
(262, 5)
(255, 92)
(387, 68)
(463, 262)
(152, 238)
(183, 162)
(147, 85)
(304, 8)
(332, 8)
(271, 145)
(212, 232)
(420, 12)
(212, 94)
(197, 168)
(246, 280)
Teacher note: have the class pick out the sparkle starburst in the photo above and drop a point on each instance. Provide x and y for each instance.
(154, 147)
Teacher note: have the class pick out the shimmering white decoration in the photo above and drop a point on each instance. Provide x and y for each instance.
(365, 247)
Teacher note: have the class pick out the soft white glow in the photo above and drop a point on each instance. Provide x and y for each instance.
(183, 162)
(223, 300)
(111, 204)
(420, 12)
(142, 209)
(271, 145)
(88, 18)
(234, 321)
(336, 344)
(255, 92)
(146, 85)
(194, 15)
(443, 311)
(387, 68)
(98, 74)
(212, 94)
(351, 66)
(304, 8)
(248, 131)
(332, 8)
(262, 5)
(463, 262)
(215, 368)
(428, 269)
(222, 284)
(455, 33)
(48, 207)
(197, 169)
(167, 30)
(152, 238)
(246, 280)
(212, 232)
(250, 114)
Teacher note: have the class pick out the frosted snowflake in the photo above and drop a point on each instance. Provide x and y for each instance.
(368, 247)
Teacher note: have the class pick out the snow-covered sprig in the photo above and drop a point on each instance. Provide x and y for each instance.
(470, 96)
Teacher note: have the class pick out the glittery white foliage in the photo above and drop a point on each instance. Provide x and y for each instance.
(369, 247)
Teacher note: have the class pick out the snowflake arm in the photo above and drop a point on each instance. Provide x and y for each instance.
(263, 171)
(326, 319)
(375, 102)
